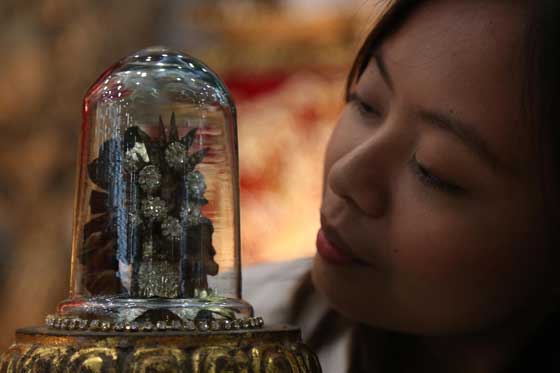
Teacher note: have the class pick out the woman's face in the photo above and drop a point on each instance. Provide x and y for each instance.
(431, 197)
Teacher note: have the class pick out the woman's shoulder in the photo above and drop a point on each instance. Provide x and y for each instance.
(275, 273)
(270, 287)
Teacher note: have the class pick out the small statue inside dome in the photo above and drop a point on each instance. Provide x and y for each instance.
(152, 214)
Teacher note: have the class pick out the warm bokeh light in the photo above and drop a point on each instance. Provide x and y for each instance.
(282, 136)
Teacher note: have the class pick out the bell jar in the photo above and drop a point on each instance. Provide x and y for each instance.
(156, 221)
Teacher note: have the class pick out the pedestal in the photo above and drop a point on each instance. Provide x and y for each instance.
(273, 349)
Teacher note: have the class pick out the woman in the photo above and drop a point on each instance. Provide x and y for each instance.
(437, 251)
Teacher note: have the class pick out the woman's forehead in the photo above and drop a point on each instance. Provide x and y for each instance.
(461, 28)
(464, 58)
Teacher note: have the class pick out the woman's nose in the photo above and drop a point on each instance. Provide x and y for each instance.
(362, 176)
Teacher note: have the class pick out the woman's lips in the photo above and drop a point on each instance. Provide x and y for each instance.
(330, 252)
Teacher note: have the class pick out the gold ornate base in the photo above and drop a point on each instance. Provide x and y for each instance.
(267, 350)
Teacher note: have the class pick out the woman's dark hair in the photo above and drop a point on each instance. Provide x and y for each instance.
(542, 106)
(390, 17)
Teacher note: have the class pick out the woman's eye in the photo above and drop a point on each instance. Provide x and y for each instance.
(364, 109)
(431, 180)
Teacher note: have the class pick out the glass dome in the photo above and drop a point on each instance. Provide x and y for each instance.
(156, 225)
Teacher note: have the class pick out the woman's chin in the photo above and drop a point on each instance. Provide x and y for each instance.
(345, 290)
(362, 295)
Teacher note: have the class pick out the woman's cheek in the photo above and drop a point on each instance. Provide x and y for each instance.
(433, 247)
(460, 269)
(425, 249)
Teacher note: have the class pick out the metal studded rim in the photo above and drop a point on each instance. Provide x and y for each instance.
(73, 323)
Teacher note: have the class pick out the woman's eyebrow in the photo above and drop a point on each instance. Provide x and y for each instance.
(465, 133)
(380, 63)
